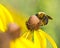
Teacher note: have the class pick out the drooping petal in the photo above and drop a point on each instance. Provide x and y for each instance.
(49, 38)
(28, 35)
(37, 40)
(2, 17)
(43, 40)
(27, 43)
(1, 26)
(7, 13)
(5, 16)
(16, 44)
(9, 17)
(24, 34)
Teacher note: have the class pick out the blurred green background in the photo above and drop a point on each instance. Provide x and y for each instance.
(50, 7)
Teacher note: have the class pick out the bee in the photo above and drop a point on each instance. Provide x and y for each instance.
(37, 20)
(43, 17)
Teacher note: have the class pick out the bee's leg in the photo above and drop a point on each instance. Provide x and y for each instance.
(40, 23)
(29, 26)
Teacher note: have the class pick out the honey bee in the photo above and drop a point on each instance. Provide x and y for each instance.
(43, 17)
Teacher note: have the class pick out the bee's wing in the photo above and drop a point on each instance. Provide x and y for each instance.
(49, 17)
(45, 20)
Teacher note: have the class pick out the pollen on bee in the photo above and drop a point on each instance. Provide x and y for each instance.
(33, 23)
(41, 12)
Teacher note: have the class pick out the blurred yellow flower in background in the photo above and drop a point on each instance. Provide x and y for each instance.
(25, 41)
(6, 18)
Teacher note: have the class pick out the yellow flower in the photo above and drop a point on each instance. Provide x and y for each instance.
(39, 37)
(7, 17)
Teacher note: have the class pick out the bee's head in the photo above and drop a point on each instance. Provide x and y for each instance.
(40, 14)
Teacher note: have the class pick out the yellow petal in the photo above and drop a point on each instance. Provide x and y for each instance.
(37, 40)
(12, 44)
(3, 18)
(1, 26)
(12, 17)
(19, 44)
(28, 35)
(27, 43)
(7, 13)
(24, 34)
(20, 21)
(43, 40)
(49, 38)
